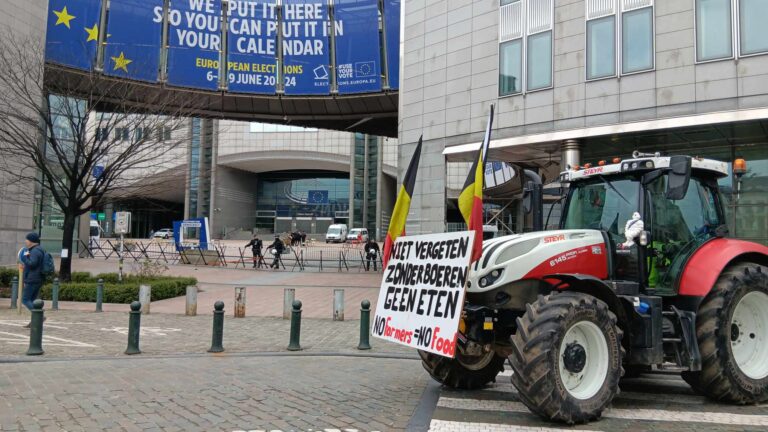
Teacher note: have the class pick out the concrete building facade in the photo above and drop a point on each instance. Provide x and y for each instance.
(575, 81)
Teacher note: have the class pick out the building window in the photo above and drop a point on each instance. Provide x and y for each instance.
(163, 133)
(753, 31)
(601, 47)
(102, 134)
(525, 44)
(713, 30)
(511, 67)
(637, 40)
(630, 46)
(122, 134)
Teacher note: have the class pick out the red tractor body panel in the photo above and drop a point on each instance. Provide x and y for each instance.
(705, 265)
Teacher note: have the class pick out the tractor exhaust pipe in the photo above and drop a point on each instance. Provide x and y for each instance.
(533, 200)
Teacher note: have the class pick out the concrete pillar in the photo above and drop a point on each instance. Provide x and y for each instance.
(571, 153)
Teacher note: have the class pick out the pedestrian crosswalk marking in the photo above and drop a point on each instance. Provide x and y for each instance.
(454, 426)
(625, 414)
(17, 339)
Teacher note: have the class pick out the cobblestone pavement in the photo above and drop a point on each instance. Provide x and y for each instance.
(210, 394)
(88, 334)
(648, 403)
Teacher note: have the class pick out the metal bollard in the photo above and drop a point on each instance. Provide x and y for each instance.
(14, 291)
(365, 325)
(191, 301)
(293, 344)
(99, 294)
(36, 329)
(145, 298)
(239, 302)
(134, 329)
(218, 328)
(338, 305)
(55, 294)
(289, 294)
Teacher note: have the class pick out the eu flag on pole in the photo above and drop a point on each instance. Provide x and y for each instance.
(317, 197)
(73, 32)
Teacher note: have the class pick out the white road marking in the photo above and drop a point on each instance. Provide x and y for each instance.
(17, 339)
(144, 331)
(626, 414)
(454, 426)
(506, 373)
(309, 430)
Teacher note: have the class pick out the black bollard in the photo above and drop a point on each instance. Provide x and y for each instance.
(55, 294)
(365, 325)
(36, 329)
(99, 294)
(134, 329)
(14, 291)
(293, 344)
(218, 328)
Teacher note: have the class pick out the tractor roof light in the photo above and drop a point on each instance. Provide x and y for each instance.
(587, 165)
(616, 160)
(739, 166)
(601, 163)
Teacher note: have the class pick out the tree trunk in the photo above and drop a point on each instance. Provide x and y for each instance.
(65, 268)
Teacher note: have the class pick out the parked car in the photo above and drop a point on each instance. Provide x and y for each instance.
(164, 233)
(357, 233)
(336, 233)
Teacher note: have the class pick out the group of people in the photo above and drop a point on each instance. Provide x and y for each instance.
(276, 248)
(298, 238)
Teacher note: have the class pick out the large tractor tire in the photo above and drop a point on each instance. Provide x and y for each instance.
(567, 357)
(463, 372)
(732, 331)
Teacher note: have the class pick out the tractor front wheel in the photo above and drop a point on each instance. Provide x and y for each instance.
(463, 372)
(567, 357)
(732, 331)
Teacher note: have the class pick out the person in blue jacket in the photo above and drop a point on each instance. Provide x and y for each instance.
(33, 278)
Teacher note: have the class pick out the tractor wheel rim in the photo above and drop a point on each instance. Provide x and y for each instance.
(585, 380)
(749, 334)
(475, 363)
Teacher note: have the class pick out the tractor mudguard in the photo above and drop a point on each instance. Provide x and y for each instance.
(707, 263)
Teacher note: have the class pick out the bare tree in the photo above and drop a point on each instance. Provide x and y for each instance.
(89, 139)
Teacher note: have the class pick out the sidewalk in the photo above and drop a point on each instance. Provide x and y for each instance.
(264, 290)
(75, 334)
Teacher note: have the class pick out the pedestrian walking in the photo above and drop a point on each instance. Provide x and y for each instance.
(32, 260)
(371, 254)
(256, 245)
(276, 248)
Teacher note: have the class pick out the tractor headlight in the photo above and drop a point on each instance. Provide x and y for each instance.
(490, 278)
(483, 282)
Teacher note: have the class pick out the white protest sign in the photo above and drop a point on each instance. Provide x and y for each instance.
(422, 291)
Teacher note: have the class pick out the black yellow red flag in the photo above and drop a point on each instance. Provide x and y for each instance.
(471, 197)
(402, 205)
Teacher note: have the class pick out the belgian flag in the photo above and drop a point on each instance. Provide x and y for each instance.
(402, 205)
(471, 197)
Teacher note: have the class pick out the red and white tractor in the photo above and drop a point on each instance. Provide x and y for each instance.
(640, 277)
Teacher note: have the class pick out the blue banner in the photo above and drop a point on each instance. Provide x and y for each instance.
(358, 56)
(252, 46)
(317, 197)
(194, 41)
(306, 47)
(73, 32)
(134, 34)
(392, 28)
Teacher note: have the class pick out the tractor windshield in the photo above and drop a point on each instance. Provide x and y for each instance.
(602, 204)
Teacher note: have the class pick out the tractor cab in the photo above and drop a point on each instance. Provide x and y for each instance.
(654, 212)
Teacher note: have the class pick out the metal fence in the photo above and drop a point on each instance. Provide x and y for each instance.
(299, 257)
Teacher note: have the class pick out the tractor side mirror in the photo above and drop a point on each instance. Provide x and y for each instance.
(679, 177)
(527, 193)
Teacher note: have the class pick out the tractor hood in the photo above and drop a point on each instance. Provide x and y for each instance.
(535, 255)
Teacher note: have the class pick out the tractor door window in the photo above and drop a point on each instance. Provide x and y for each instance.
(678, 228)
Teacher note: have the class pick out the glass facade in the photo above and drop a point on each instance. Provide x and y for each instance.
(713, 30)
(540, 61)
(601, 48)
(194, 168)
(302, 193)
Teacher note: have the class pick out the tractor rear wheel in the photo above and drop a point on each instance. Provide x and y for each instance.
(463, 372)
(567, 357)
(732, 331)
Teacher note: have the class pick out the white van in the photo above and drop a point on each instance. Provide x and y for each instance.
(94, 233)
(354, 233)
(337, 233)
